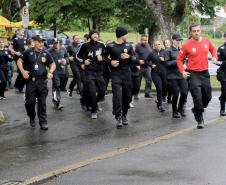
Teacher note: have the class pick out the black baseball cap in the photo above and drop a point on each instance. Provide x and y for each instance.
(55, 40)
(224, 34)
(177, 37)
(38, 38)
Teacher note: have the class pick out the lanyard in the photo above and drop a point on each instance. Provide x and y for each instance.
(36, 58)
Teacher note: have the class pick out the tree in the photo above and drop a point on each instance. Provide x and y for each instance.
(64, 12)
(95, 11)
(138, 16)
(10, 9)
(169, 13)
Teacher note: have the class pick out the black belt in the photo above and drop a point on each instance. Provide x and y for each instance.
(35, 78)
(198, 72)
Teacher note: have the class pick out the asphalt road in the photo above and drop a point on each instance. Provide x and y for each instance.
(73, 137)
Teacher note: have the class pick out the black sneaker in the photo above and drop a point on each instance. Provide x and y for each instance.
(32, 123)
(182, 112)
(161, 109)
(136, 97)
(148, 96)
(200, 121)
(164, 99)
(84, 107)
(176, 115)
(169, 101)
(200, 125)
(222, 113)
(125, 120)
(44, 126)
(70, 93)
(60, 107)
(2, 97)
(119, 124)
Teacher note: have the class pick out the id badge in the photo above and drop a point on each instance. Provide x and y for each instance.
(36, 67)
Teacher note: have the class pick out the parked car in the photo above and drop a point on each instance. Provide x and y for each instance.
(48, 35)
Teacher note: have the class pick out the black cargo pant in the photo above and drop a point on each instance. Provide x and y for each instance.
(222, 97)
(63, 81)
(107, 75)
(3, 81)
(20, 82)
(135, 84)
(76, 78)
(56, 89)
(160, 82)
(200, 87)
(95, 87)
(36, 89)
(178, 87)
(121, 88)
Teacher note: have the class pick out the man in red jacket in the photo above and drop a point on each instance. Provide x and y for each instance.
(196, 50)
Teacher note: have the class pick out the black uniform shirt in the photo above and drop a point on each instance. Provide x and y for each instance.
(36, 62)
(172, 69)
(114, 51)
(154, 57)
(72, 51)
(4, 58)
(222, 55)
(90, 50)
(19, 44)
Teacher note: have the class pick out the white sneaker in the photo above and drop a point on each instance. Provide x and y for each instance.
(99, 108)
(131, 105)
(94, 115)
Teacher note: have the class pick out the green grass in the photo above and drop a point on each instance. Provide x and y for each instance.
(217, 42)
(105, 36)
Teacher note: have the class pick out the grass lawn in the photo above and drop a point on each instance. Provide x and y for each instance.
(133, 37)
(105, 36)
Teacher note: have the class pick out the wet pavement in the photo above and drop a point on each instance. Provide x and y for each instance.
(73, 136)
(196, 158)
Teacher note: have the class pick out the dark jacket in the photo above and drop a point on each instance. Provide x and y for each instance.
(90, 50)
(154, 58)
(221, 52)
(72, 51)
(171, 64)
(57, 57)
(114, 51)
(4, 59)
(143, 52)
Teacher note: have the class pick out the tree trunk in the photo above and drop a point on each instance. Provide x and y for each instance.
(89, 24)
(152, 34)
(6, 8)
(168, 14)
(163, 22)
(54, 28)
(96, 23)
